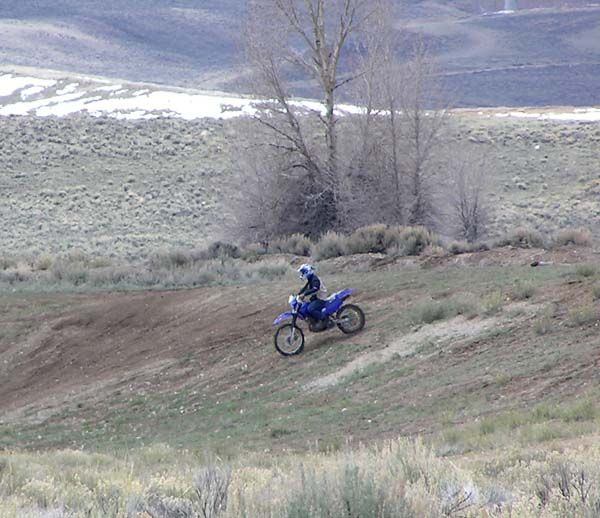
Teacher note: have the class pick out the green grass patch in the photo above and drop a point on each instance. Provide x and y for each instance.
(585, 270)
(428, 312)
(522, 291)
(583, 316)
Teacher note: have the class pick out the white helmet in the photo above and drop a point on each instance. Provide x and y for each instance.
(305, 270)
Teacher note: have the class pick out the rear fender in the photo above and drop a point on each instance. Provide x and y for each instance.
(282, 317)
(344, 294)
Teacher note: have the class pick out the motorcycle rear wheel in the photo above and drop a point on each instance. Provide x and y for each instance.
(289, 340)
(351, 319)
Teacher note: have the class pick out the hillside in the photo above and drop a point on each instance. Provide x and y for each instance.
(121, 170)
(530, 57)
(118, 369)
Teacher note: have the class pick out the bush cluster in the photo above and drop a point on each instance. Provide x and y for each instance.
(578, 237)
(173, 269)
(522, 237)
(224, 263)
(296, 244)
(403, 241)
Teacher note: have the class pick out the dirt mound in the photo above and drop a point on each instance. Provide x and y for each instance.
(122, 340)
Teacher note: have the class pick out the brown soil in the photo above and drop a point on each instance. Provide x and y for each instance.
(115, 340)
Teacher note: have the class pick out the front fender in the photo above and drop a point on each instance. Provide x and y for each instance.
(282, 317)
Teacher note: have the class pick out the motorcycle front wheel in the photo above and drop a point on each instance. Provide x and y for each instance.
(350, 319)
(289, 340)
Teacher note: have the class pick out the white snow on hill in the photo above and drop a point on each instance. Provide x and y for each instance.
(568, 115)
(26, 95)
(31, 96)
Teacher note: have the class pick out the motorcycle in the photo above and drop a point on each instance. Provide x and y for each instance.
(289, 337)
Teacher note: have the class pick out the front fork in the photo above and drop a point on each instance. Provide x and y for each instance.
(294, 318)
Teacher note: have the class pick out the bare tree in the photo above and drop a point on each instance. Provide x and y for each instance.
(308, 39)
(308, 169)
(424, 116)
(407, 114)
(265, 197)
(466, 195)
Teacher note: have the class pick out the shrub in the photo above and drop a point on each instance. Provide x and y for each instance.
(330, 245)
(596, 292)
(370, 239)
(7, 262)
(522, 291)
(580, 411)
(463, 247)
(585, 270)
(459, 247)
(267, 270)
(220, 250)
(176, 258)
(43, 262)
(15, 275)
(433, 310)
(253, 251)
(522, 237)
(583, 315)
(296, 244)
(579, 237)
(413, 240)
(110, 276)
(71, 273)
(211, 486)
(492, 303)
(543, 326)
(76, 256)
(165, 506)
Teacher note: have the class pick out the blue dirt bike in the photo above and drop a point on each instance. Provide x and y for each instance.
(289, 338)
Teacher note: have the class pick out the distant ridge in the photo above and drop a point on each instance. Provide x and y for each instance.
(514, 59)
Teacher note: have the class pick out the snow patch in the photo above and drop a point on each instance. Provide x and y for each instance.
(576, 115)
(66, 108)
(31, 91)
(9, 83)
(131, 102)
(25, 108)
(110, 88)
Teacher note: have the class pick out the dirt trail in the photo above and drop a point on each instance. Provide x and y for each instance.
(406, 345)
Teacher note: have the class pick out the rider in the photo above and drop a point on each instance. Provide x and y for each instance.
(311, 289)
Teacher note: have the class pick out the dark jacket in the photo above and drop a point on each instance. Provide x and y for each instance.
(312, 287)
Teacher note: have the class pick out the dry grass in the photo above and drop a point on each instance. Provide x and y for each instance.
(165, 269)
(399, 478)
